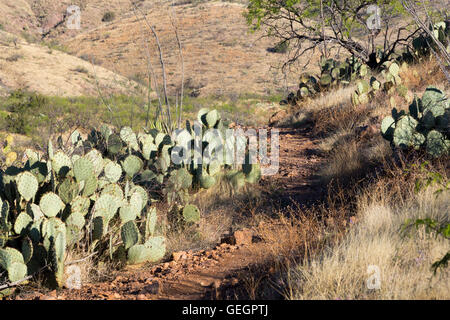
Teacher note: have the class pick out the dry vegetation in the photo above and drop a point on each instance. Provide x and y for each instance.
(310, 252)
(371, 196)
(37, 68)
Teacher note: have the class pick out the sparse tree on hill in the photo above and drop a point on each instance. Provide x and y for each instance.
(356, 26)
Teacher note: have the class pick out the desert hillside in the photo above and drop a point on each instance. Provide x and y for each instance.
(221, 56)
(39, 68)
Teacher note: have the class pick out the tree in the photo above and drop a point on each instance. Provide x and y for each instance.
(353, 25)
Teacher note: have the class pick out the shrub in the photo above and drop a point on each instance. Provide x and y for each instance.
(22, 107)
(108, 16)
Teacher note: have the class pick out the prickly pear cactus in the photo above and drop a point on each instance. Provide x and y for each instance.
(425, 127)
(191, 213)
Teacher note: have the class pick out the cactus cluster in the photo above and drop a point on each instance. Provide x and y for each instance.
(426, 126)
(421, 44)
(47, 206)
(341, 72)
(99, 191)
(333, 73)
(145, 158)
(366, 90)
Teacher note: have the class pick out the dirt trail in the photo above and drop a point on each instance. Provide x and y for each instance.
(204, 274)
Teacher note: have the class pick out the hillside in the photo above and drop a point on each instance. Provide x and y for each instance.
(220, 55)
(233, 60)
(39, 68)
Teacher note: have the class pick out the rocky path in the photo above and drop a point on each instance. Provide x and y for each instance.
(206, 274)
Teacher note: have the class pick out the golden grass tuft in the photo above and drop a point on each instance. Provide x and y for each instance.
(340, 270)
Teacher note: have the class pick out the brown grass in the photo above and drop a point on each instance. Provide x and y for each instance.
(340, 270)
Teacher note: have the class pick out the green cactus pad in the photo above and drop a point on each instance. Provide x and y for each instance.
(138, 254)
(97, 161)
(8, 256)
(206, 181)
(76, 219)
(80, 205)
(57, 252)
(51, 204)
(67, 190)
(375, 84)
(51, 227)
(325, 80)
(191, 213)
(132, 165)
(23, 220)
(114, 144)
(90, 186)
(436, 144)
(212, 118)
(201, 115)
(27, 185)
(162, 140)
(114, 190)
(394, 69)
(129, 137)
(214, 167)
(83, 169)
(404, 131)
(157, 247)
(109, 203)
(149, 150)
(418, 140)
(362, 87)
(130, 234)
(17, 271)
(113, 172)
(50, 150)
(128, 212)
(61, 163)
(434, 100)
(387, 128)
(150, 223)
(27, 249)
(98, 227)
(4, 212)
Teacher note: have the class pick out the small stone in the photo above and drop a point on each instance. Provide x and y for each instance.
(116, 296)
(243, 237)
(141, 297)
(179, 255)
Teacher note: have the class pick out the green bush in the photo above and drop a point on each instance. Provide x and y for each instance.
(108, 16)
(22, 107)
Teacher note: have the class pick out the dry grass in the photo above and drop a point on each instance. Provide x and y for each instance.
(370, 187)
(32, 67)
(224, 209)
(340, 271)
